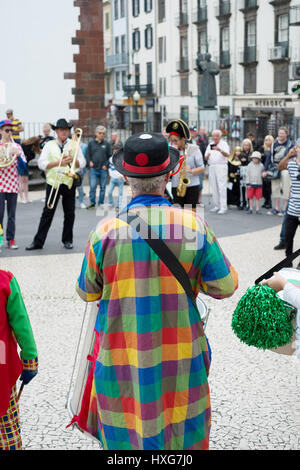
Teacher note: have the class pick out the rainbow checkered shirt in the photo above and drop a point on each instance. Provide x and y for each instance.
(147, 387)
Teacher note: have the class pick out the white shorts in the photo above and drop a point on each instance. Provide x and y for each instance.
(281, 187)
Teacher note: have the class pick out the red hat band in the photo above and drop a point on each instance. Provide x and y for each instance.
(146, 169)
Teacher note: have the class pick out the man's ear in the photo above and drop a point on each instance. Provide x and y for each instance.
(125, 178)
(167, 177)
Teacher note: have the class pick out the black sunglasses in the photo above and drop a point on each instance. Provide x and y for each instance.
(8, 130)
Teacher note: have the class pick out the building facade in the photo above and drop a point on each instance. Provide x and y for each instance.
(256, 44)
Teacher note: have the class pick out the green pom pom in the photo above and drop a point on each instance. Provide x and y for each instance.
(262, 319)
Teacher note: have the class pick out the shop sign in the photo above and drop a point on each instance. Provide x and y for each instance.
(269, 103)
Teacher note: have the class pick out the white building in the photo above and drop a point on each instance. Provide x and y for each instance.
(256, 44)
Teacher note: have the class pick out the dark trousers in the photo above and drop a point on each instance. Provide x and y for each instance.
(291, 226)
(267, 190)
(191, 197)
(68, 203)
(11, 204)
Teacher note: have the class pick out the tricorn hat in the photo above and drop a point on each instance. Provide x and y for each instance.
(146, 155)
(179, 128)
(62, 124)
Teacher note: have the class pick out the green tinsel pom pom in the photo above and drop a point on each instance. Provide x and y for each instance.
(262, 319)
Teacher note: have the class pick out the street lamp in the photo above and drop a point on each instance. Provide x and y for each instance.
(136, 97)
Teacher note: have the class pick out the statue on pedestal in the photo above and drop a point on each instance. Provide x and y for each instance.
(208, 92)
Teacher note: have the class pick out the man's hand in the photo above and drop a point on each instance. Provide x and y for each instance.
(66, 160)
(277, 282)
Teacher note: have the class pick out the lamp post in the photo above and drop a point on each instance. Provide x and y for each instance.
(136, 97)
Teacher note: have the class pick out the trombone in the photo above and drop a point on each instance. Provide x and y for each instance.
(76, 138)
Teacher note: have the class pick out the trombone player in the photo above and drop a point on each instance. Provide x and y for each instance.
(56, 160)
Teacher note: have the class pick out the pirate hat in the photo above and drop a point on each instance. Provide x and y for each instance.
(146, 155)
(62, 124)
(179, 128)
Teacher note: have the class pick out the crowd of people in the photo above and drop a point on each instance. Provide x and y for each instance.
(246, 176)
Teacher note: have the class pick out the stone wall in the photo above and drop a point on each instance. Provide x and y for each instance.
(90, 73)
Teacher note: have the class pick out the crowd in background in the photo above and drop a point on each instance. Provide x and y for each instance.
(245, 177)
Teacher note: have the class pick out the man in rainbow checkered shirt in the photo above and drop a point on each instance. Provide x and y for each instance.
(147, 387)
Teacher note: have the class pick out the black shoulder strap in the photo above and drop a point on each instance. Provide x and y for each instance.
(283, 264)
(162, 251)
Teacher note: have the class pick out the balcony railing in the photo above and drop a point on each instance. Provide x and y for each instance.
(117, 60)
(223, 8)
(182, 20)
(280, 52)
(248, 55)
(279, 2)
(295, 15)
(144, 90)
(200, 15)
(245, 5)
(182, 64)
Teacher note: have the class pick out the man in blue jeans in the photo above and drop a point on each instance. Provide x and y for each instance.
(97, 157)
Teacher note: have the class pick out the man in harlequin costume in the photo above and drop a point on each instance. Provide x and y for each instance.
(147, 387)
(15, 329)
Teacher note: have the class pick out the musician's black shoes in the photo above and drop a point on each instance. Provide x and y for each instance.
(33, 246)
(280, 246)
(68, 245)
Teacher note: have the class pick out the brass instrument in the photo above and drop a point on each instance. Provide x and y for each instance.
(7, 157)
(184, 181)
(73, 148)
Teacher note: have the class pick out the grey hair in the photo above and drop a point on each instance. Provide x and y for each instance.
(100, 128)
(146, 185)
(218, 131)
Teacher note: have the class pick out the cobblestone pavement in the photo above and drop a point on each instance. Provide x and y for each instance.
(254, 394)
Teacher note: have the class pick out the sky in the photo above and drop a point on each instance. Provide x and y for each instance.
(36, 51)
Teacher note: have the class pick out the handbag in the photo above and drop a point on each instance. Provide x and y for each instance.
(77, 181)
(273, 173)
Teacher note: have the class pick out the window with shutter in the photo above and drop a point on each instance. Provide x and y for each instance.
(161, 11)
(148, 37)
(281, 75)
(135, 7)
(250, 79)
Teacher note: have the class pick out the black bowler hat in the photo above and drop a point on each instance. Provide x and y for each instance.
(62, 124)
(146, 155)
(180, 128)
